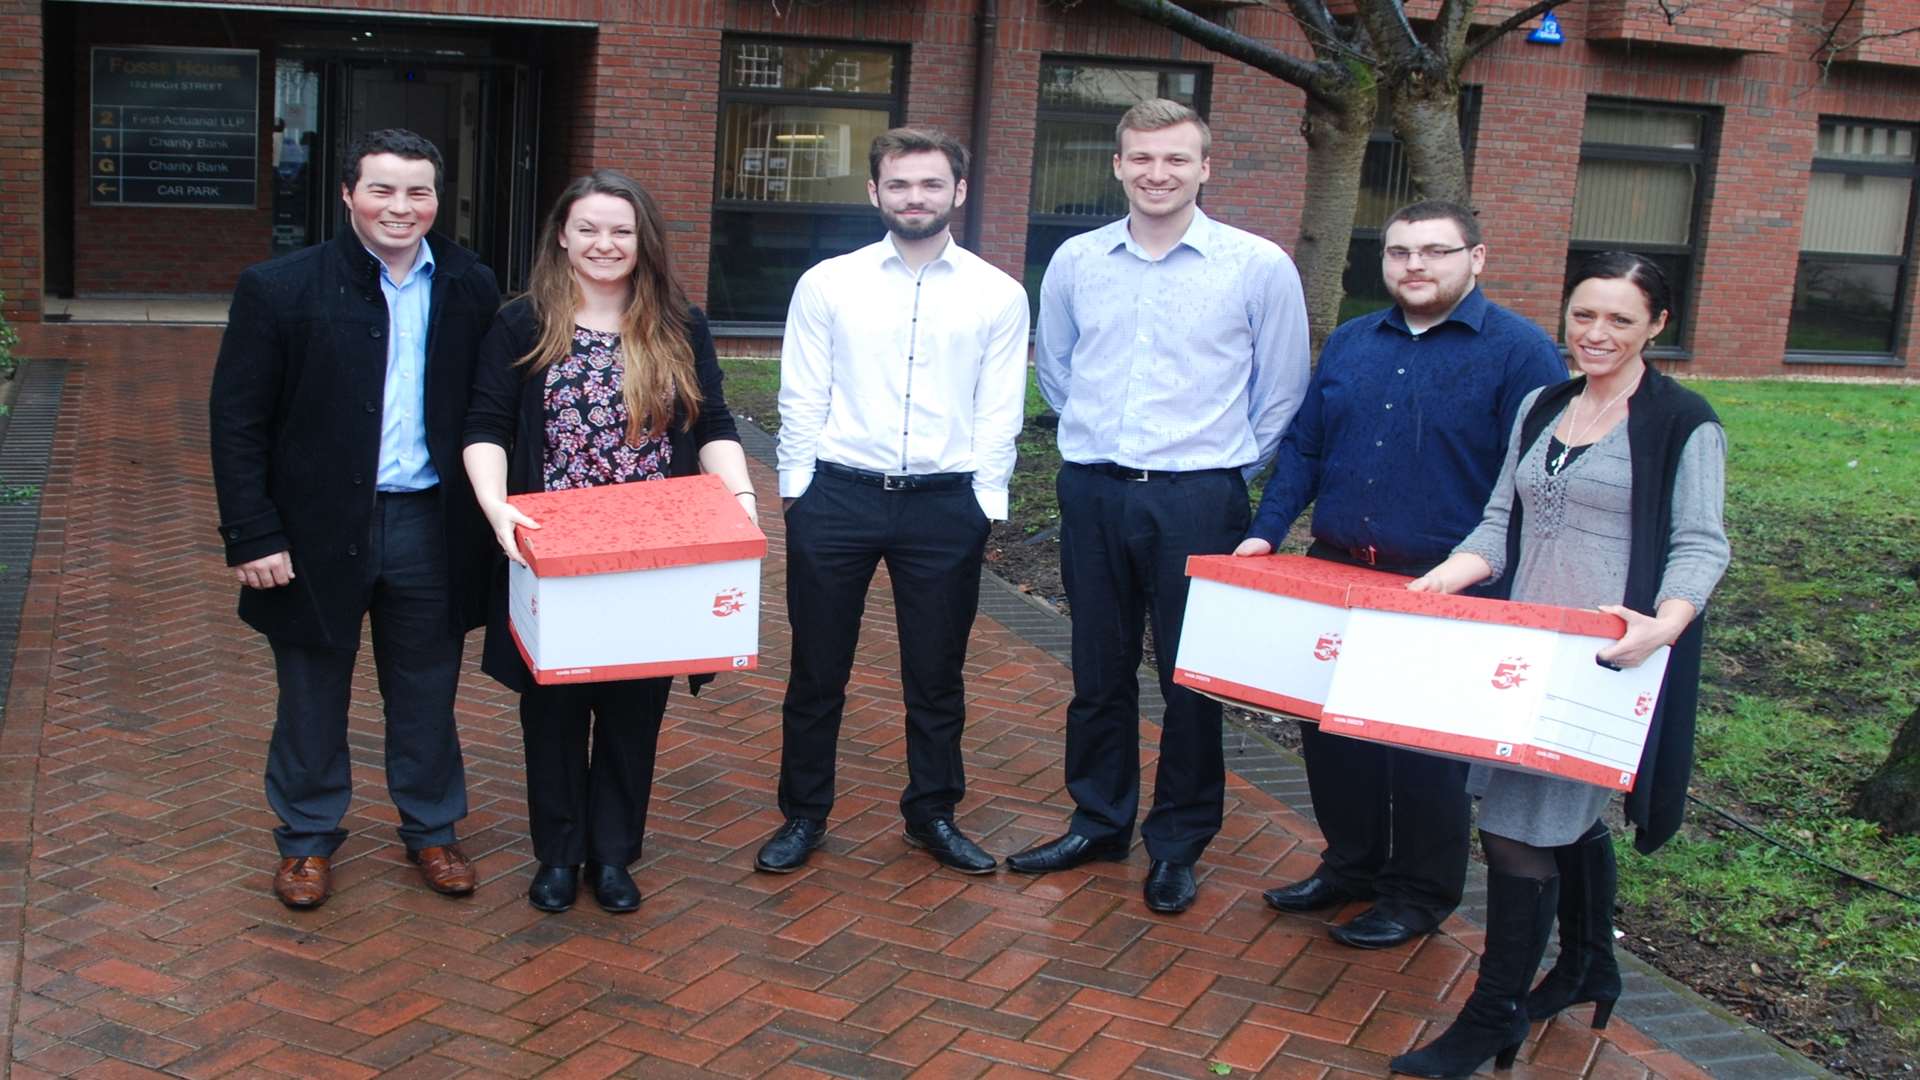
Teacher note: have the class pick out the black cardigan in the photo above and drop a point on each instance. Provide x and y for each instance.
(509, 410)
(1662, 416)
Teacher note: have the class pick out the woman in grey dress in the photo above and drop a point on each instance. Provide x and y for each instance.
(1610, 498)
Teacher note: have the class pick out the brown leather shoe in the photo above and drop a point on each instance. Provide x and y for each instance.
(445, 869)
(304, 881)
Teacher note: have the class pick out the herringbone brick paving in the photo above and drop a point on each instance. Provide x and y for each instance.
(146, 940)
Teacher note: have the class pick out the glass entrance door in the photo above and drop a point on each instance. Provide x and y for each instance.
(479, 115)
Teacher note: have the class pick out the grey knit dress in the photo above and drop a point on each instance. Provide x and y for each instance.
(1574, 544)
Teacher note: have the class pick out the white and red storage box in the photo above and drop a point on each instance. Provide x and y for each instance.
(1515, 685)
(638, 580)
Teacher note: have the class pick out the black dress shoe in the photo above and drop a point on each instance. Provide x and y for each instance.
(951, 847)
(1064, 853)
(1312, 894)
(1169, 889)
(613, 888)
(1372, 930)
(554, 887)
(789, 848)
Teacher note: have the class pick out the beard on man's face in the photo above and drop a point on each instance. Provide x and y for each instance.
(907, 229)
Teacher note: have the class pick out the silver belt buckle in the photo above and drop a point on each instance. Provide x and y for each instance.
(1140, 476)
(889, 482)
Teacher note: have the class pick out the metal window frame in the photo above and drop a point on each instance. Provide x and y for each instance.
(1704, 157)
(1202, 98)
(894, 103)
(1903, 279)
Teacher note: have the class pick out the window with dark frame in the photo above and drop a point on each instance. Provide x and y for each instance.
(1386, 185)
(1855, 242)
(1643, 174)
(790, 179)
(1073, 186)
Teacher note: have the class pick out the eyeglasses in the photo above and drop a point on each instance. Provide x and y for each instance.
(1430, 253)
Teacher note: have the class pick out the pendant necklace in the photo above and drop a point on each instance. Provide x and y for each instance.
(1575, 428)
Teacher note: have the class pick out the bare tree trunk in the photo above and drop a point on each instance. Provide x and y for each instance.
(1426, 116)
(1336, 144)
(1892, 794)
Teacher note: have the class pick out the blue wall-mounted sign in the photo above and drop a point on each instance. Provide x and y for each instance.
(1548, 32)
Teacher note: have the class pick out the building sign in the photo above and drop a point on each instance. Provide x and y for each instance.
(175, 127)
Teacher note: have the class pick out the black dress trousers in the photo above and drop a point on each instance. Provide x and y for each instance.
(932, 541)
(1123, 558)
(1396, 821)
(590, 749)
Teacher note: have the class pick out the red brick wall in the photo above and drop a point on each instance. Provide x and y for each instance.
(1527, 161)
(1876, 31)
(1737, 25)
(640, 93)
(21, 159)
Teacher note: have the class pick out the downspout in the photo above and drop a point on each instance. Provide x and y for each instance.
(989, 37)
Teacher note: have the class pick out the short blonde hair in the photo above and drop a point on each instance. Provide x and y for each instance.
(1154, 114)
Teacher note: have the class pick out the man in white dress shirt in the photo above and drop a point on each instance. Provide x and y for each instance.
(902, 386)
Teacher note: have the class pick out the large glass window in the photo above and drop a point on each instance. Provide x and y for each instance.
(1643, 172)
(1386, 185)
(796, 120)
(1854, 241)
(1073, 185)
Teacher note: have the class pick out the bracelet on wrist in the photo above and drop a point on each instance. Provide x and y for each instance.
(751, 494)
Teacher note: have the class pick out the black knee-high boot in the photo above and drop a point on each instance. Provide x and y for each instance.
(1494, 1022)
(1586, 970)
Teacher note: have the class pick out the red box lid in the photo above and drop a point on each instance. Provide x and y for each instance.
(639, 526)
(1322, 581)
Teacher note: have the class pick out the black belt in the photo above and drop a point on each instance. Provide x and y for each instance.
(1142, 476)
(938, 481)
(1367, 556)
(434, 490)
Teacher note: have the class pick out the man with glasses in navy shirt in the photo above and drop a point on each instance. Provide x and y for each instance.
(1398, 443)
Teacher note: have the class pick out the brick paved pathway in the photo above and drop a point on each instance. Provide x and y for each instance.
(141, 937)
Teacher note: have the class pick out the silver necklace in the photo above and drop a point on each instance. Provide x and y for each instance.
(1575, 428)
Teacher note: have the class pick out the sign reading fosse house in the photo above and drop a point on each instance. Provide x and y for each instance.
(175, 127)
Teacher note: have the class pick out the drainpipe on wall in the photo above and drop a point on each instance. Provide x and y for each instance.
(989, 37)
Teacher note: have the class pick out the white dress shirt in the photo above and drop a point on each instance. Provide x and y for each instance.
(896, 372)
(1194, 360)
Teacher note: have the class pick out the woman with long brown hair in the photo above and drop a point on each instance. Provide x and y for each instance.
(602, 373)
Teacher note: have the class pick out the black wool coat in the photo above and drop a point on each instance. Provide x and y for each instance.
(509, 410)
(295, 415)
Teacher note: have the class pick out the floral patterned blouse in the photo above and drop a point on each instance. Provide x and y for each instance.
(587, 421)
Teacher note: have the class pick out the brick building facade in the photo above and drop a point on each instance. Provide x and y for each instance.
(1779, 189)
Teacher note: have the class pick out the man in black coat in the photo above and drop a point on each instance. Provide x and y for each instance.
(337, 408)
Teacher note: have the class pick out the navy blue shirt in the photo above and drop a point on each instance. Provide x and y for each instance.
(1401, 435)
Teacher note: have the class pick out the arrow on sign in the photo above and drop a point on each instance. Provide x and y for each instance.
(105, 188)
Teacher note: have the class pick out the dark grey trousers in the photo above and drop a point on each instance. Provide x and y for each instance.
(309, 778)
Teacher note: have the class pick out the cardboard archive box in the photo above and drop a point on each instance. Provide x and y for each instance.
(1265, 632)
(1514, 685)
(637, 580)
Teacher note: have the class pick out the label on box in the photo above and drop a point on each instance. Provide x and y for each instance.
(1516, 696)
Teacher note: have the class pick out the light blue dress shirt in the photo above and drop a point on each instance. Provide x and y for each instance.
(404, 462)
(1194, 360)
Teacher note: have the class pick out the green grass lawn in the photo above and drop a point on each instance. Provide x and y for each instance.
(1813, 659)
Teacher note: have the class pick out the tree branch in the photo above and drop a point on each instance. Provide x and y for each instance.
(1311, 77)
(1449, 33)
(1507, 25)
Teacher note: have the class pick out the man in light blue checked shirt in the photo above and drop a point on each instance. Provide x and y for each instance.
(1174, 348)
